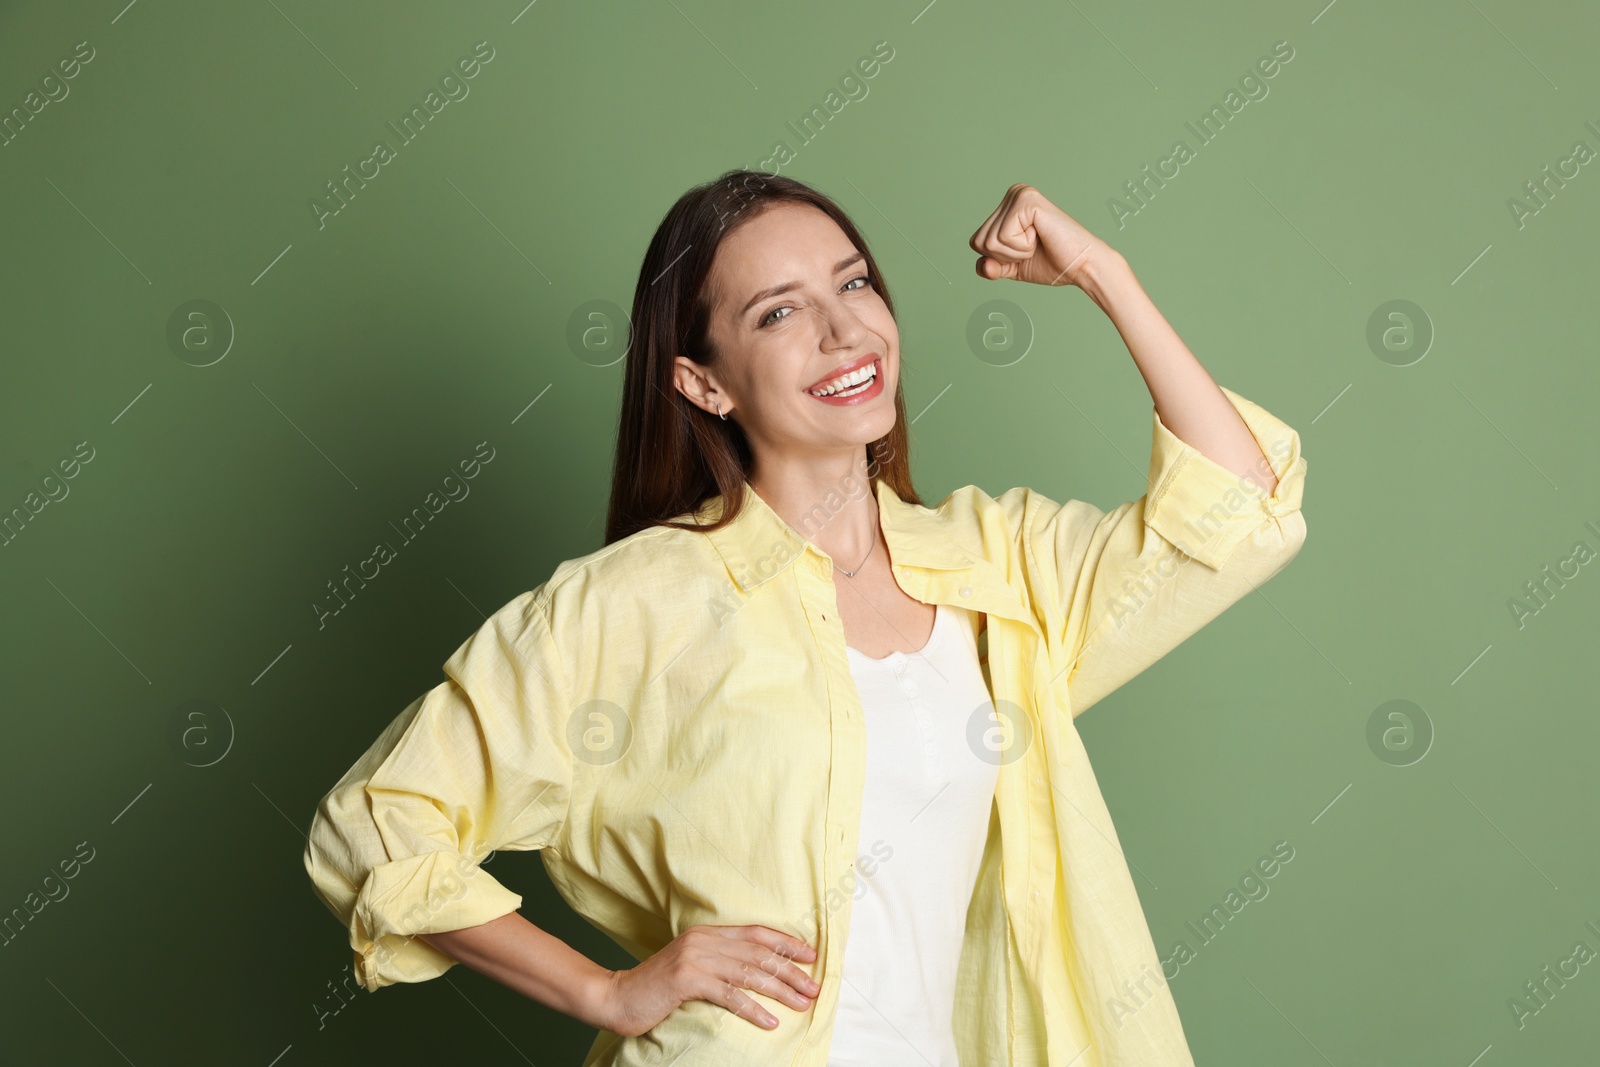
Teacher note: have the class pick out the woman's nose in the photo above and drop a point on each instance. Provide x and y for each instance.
(842, 319)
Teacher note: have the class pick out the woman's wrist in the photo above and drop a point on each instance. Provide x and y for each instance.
(1105, 277)
(595, 1000)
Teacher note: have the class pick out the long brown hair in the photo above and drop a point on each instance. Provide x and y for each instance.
(672, 456)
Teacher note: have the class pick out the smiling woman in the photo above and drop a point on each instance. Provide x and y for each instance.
(699, 724)
(824, 276)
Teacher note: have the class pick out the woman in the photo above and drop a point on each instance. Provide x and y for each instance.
(788, 707)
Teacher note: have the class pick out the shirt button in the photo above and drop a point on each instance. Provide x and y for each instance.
(966, 590)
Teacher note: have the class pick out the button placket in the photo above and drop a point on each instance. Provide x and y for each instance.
(848, 747)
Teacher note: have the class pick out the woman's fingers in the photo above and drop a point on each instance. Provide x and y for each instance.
(778, 941)
(719, 963)
(1014, 237)
(729, 996)
(983, 238)
(766, 966)
(764, 956)
(731, 976)
(784, 982)
(1007, 234)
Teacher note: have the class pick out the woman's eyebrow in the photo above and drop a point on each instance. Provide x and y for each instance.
(786, 286)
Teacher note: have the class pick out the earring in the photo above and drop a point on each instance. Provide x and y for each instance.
(719, 412)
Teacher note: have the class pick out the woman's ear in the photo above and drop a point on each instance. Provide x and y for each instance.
(692, 381)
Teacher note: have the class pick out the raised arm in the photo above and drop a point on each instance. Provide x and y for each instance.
(1027, 238)
(1221, 512)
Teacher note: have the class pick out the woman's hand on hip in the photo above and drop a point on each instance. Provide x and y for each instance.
(713, 963)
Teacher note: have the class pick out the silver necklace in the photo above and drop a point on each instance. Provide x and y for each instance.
(863, 563)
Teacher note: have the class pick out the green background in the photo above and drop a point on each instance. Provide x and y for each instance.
(370, 355)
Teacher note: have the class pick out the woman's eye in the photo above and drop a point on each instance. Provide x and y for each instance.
(768, 318)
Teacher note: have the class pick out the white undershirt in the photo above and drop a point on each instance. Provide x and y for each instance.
(926, 806)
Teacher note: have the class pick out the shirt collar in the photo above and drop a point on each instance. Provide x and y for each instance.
(759, 544)
(930, 563)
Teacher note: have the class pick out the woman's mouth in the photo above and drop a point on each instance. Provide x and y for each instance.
(861, 384)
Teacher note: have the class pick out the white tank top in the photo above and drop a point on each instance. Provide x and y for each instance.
(924, 819)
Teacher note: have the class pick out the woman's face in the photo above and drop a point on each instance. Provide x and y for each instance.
(774, 349)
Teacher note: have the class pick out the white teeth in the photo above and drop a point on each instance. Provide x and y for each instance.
(843, 385)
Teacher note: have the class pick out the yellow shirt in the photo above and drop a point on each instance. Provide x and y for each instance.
(672, 721)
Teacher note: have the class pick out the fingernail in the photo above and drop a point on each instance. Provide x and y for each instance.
(769, 1020)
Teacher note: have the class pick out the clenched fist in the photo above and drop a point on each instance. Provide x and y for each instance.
(1029, 239)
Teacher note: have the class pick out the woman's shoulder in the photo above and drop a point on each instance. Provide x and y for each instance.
(624, 559)
(653, 563)
(615, 598)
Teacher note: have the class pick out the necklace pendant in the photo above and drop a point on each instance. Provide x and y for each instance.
(863, 563)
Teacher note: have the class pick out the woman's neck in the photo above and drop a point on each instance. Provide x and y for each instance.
(836, 510)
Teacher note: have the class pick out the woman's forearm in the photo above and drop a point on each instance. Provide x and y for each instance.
(1189, 401)
(539, 965)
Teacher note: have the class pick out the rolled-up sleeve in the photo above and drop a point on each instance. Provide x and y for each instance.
(478, 763)
(1118, 590)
